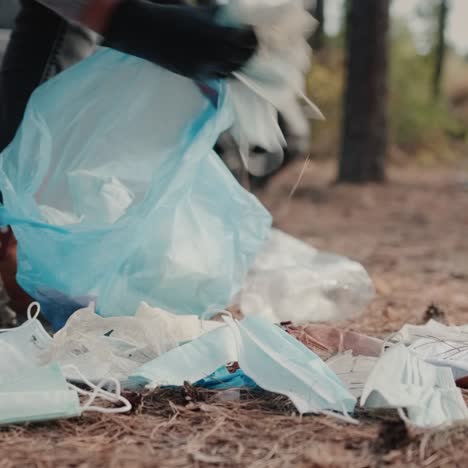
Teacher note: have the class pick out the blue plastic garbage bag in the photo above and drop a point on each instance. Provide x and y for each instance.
(222, 379)
(114, 192)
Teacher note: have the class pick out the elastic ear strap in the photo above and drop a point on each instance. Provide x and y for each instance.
(37, 310)
(342, 417)
(405, 418)
(99, 392)
(29, 315)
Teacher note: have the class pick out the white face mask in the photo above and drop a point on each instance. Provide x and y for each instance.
(400, 379)
(42, 394)
(116, 346)
(25, 345)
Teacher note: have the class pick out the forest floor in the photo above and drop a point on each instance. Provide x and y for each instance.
(411, 235)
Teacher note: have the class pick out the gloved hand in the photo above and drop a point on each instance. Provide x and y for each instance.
(184, 39)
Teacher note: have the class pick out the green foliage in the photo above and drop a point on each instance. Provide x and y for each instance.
(419, 126)
(417, 121)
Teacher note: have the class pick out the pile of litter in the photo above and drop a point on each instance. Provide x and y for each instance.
(158, 349)
(115, 215)
(90, 364)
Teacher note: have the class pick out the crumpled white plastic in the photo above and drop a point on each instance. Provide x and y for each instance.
(273, 80)
(292, 281)
(400, 379)
(102, 347)
(98, 198)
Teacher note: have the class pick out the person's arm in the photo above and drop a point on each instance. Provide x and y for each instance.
(72, 10)
(186, 40)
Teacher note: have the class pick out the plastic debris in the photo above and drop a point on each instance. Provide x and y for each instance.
(223, 379)
(128, 209)
(291, 281)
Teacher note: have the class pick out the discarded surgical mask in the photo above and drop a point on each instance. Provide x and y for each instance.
(274, 79)
(280, 364)
(400, 379)
(291, 281)
(437, 331)
(114, 347)
(353, 371)
(452, 354)
(266, 354)
(160, 218)
(438, 344)
(42, 394)
(24, 346)
(191, 362)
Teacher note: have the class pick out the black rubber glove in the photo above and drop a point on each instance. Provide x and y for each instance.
(181, 38)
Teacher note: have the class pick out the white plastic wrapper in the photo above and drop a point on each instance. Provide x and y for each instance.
(291, 281)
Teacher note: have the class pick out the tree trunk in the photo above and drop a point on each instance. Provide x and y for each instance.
(364, 126)
(440, 47)
(317, 39)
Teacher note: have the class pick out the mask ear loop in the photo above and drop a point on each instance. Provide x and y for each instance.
(99, 392)
(30, 315)
(345, 417)
(37, 310)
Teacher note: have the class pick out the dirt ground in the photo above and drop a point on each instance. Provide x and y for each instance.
(411, 234)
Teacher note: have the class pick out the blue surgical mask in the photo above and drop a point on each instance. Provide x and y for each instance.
(42, 394)
(279, 363)
(190, 362)
(269, 356)
(25, 345)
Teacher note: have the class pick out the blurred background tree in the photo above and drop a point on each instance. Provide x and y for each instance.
(427, 78)
(317, 39)
(442, 13)
(364, 129)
